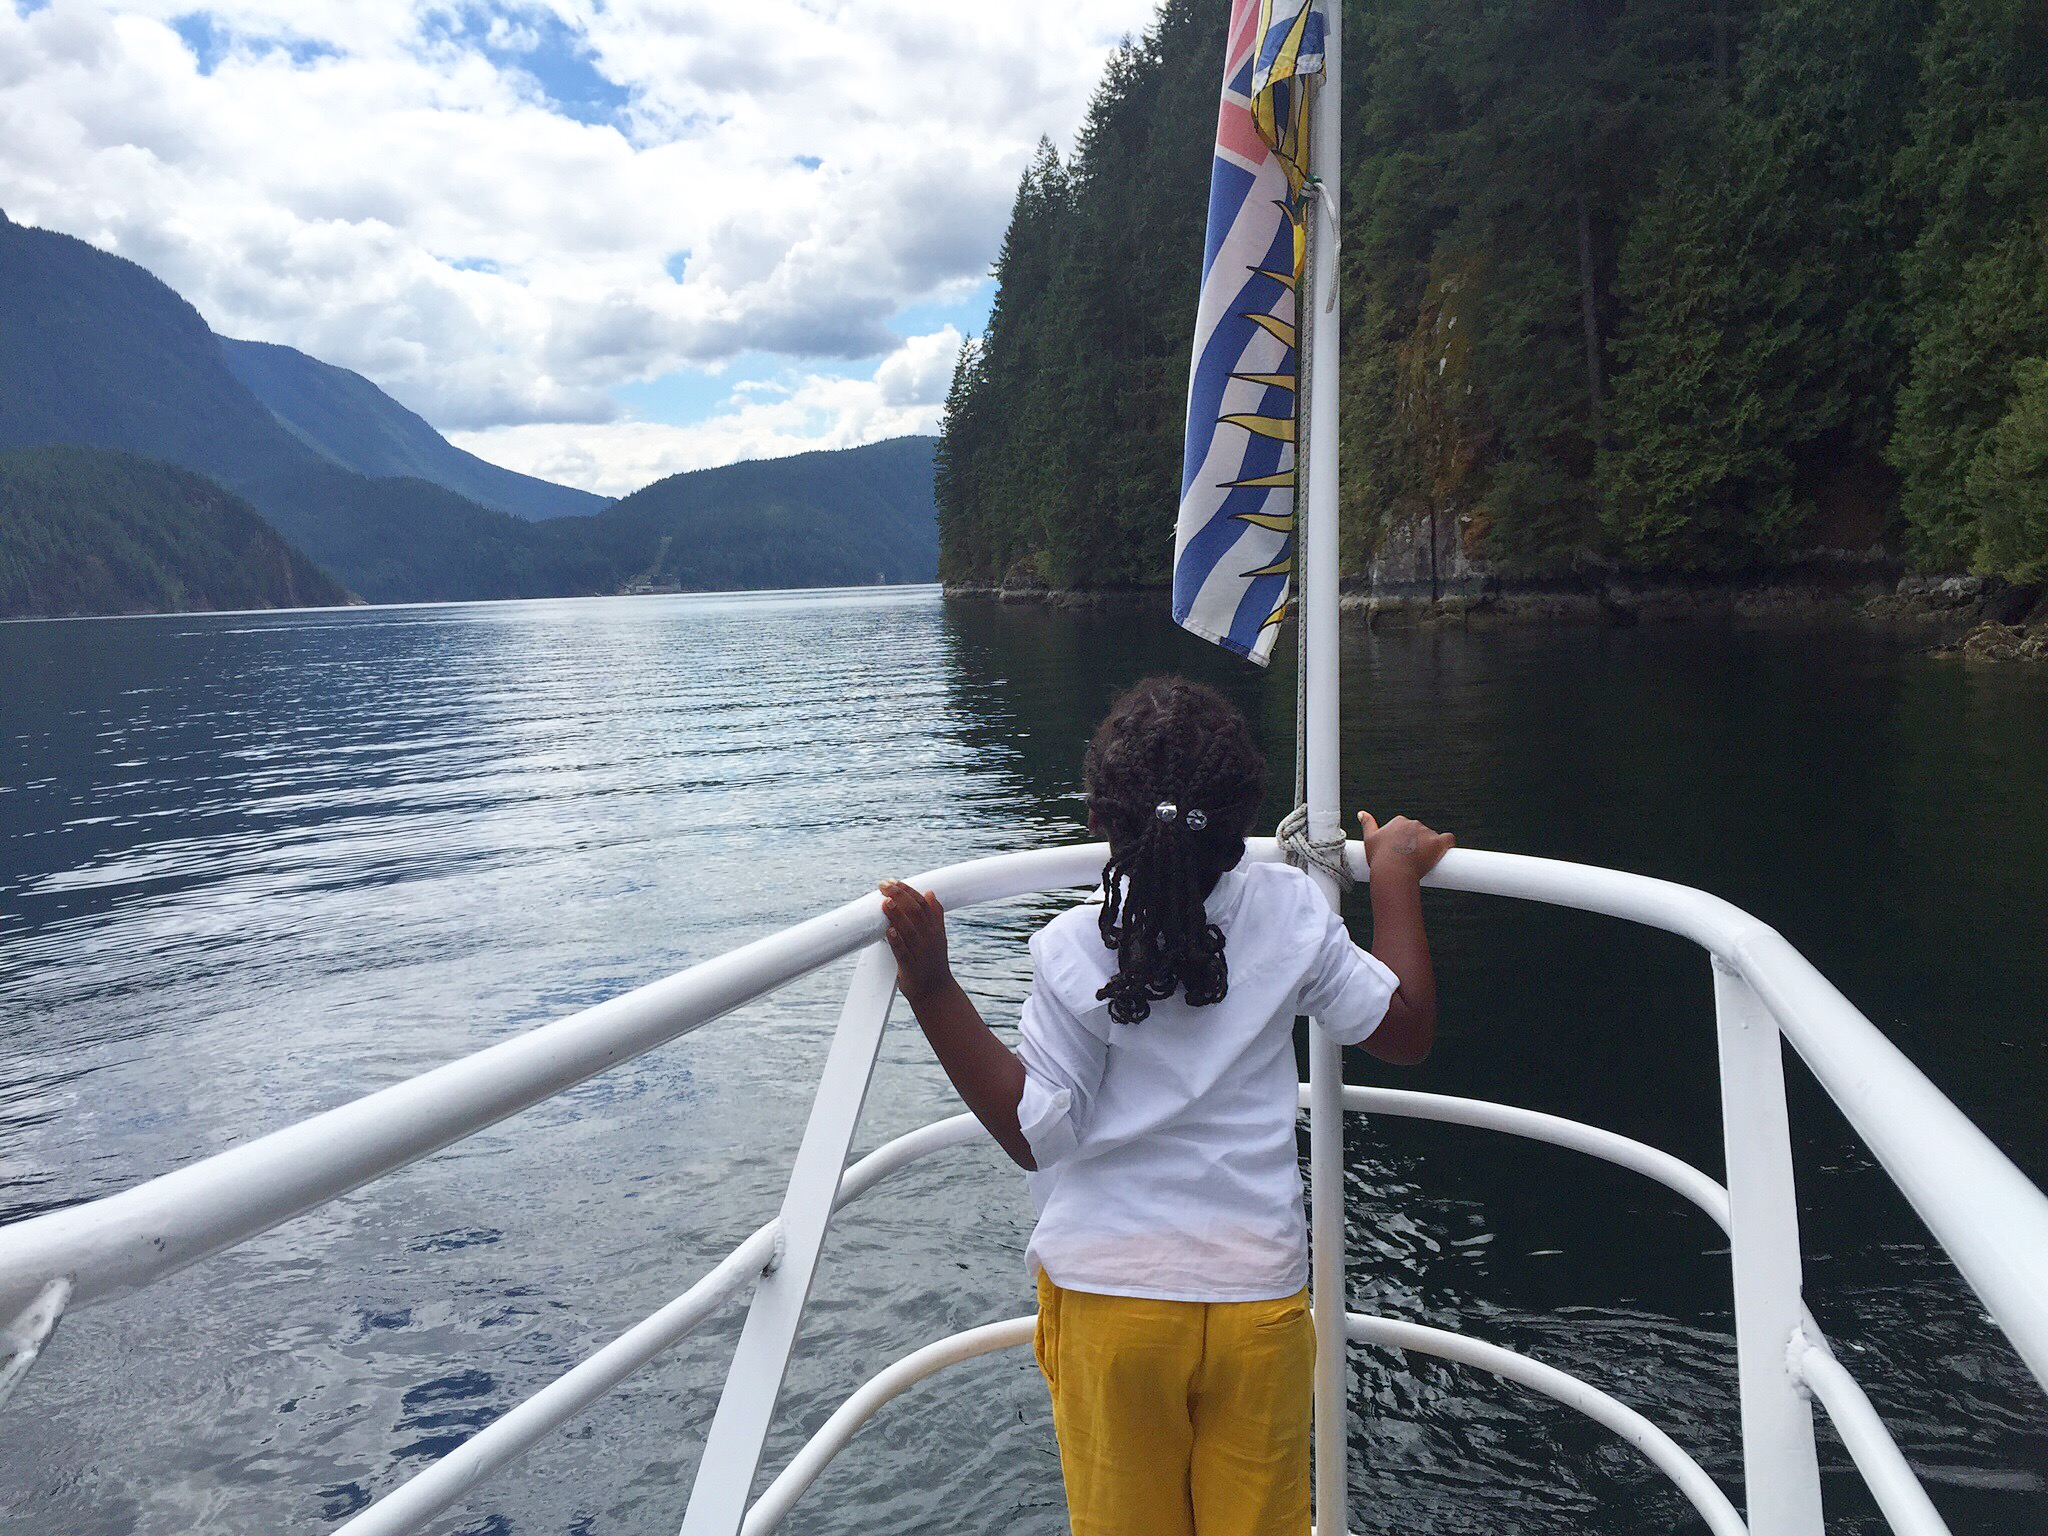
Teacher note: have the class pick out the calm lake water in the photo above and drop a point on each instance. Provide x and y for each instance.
(252, 866)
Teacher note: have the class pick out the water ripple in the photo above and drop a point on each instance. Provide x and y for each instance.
(251, 867)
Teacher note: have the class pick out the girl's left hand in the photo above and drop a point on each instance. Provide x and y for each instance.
(1403, 846)
(917, 937)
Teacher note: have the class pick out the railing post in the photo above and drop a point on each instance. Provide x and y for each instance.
(739, 1429)
(1781, 1473)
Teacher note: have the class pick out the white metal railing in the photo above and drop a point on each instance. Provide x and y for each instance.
(1985, 1213)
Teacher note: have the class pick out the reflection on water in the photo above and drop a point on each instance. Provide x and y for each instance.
(252, 866)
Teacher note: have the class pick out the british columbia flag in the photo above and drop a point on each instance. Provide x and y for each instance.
(1233, 545)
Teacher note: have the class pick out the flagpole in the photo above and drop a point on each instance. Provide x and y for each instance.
(1317, 568)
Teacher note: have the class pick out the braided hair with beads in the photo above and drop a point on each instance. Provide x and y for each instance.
(1173, 779)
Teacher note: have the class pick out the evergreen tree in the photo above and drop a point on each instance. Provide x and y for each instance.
(965, 555)
(1698, 473)
(2008, 481)
(1063, 425)
(1976, 279)
(1759, 344)
(980, 488)
(1504, 152)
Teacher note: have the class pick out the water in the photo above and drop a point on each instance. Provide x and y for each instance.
(254, 865)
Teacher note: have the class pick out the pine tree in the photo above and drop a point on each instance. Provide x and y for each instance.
(1069, 413)
(984, 472)
(1759, 344)
(1976, 280)
(1505, 154)
(965, 552)
(2008, 481)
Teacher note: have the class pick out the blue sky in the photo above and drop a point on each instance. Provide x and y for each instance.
(599, 240)
(549, 50)
(692, 394)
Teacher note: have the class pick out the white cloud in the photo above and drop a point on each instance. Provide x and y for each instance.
(390, 185)
(758, 420)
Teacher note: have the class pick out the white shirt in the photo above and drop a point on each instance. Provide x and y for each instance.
(1165, 1149)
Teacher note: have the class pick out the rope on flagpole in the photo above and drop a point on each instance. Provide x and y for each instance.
(1312, 187)
(1301, 850)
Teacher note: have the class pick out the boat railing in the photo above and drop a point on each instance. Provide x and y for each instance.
(1984, 1212)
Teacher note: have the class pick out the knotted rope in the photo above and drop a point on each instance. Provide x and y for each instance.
(1305, 852)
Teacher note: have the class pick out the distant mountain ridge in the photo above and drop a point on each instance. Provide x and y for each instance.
(344, 417)
(96, 351)
(833, 517)
(844, 517)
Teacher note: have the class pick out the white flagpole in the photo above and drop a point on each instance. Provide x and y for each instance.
(1318, 574)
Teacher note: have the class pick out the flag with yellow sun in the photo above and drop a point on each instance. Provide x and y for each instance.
(1234, 540)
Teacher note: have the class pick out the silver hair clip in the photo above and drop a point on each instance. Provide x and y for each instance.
(1196, 820)
(1166, 810)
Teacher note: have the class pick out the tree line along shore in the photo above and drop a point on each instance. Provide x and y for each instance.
(1640, 296)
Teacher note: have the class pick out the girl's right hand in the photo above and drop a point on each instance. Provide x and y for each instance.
(1403, 846)
(917, 936)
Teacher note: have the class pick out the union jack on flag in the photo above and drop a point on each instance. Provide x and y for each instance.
(1233, 545)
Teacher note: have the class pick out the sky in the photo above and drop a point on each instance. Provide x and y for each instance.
(595, 240)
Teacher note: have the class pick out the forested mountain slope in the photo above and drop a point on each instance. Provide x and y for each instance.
(396, 539)
(850, 517)
(88, 530)
(841, 517)
(1648, 283)
(344, 417)
(95, 350)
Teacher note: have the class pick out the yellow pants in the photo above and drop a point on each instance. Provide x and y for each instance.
(1180, 1418)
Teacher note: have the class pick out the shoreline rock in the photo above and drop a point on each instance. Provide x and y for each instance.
(1059, 597)
(1952, 611)
(1999, 642)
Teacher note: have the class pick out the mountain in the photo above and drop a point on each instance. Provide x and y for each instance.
(344, 417)
(96, 351)
(838, 517)
(847, 517)
(400, 540)
(88, 530)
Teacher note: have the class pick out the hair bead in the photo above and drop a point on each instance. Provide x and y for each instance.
(1169, 737)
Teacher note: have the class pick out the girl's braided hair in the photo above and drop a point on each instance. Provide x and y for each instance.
(1169, 745)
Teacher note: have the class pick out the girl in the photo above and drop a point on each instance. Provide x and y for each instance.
(1152, 1102)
